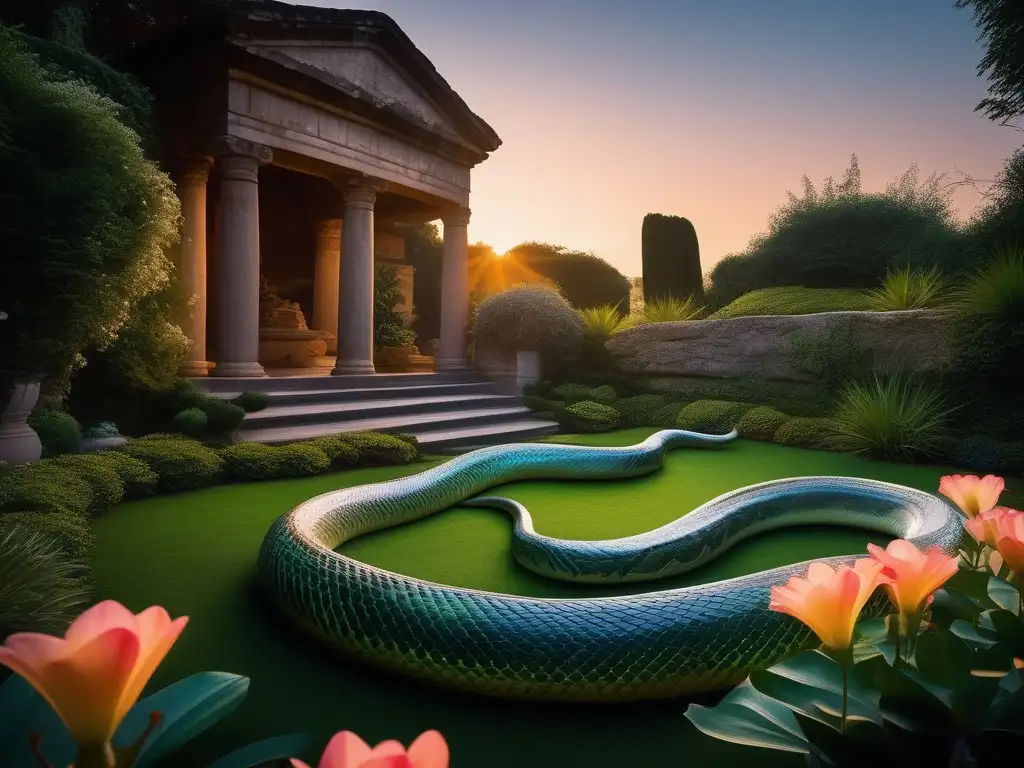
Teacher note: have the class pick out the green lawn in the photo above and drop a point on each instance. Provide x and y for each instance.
(194, 553)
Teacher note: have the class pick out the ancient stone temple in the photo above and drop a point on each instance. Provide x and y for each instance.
(302, 140)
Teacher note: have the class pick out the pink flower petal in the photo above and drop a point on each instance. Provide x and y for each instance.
(345, 750)
(429, 750)
(99, 619)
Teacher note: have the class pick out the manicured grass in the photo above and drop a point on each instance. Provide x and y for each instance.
(195, 554)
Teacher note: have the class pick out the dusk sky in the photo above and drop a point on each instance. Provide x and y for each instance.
(611, 109)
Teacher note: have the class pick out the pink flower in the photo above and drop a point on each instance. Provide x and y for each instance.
(346, 750)
(985, 527)
(913, 575)
(971, 493)
(96, 672)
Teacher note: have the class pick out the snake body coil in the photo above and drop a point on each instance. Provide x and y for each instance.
(644, 646)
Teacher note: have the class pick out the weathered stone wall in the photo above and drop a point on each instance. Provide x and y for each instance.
(776, 347)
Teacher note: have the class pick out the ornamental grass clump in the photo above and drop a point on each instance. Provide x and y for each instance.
(530, 318)
(668, 310)
(890, 418)
(996, 292)
(907, 288)
(601, 322)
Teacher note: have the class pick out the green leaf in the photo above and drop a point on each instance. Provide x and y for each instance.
(750, 718)
(188, 707)
(945, 666)
(1004, 595)
(970, 635)
(26, 712)
(811, 684)
(1007, 713)
(274, 748)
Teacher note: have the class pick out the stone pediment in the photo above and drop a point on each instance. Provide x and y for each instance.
(362, 72)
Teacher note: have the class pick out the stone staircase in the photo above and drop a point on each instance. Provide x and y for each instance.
(447, 412)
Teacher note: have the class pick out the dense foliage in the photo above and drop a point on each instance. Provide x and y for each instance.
(390, 325)
(841, 237)
(86, 217)
(671, 258)
(584, 279)
(530, 317)
(1000, 23)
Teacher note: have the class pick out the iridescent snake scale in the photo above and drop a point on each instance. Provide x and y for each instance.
(643, 646)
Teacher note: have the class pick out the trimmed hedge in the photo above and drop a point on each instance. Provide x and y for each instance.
(191, 422)
(761, 423)
(104, 480)
(711, 416)
(59, 432)
(341, 454)
(666, 417)
(591, 416)
(572, 393)
(301, 460)
(251, 401)
(805, 432)
(379, 449)
(256, 461)
(138, 479)
(641, 410)
(46, 487)
(179, 463)
(222, 417)
(795, 300)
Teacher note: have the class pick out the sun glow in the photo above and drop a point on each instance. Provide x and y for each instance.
(490, 272)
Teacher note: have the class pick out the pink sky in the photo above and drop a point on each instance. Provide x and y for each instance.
(610, 110)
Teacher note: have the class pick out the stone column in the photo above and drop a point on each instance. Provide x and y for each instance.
(355, 289)
(451, 352)
(192, 261)
(238, 270)
(326, 277)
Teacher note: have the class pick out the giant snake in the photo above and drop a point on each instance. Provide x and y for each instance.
(652, 645)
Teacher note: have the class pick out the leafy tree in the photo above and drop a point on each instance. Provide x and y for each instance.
(390, 325)
(585, 279)
(1001, 23)
(1000, 222)
(87, 219)
(841, 237)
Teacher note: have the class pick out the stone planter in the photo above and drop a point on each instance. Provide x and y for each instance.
(19, 392)
(511, 371)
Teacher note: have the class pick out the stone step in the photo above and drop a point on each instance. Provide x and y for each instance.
(367, 394)
(410, 422)
(360, 410)
(217, 385)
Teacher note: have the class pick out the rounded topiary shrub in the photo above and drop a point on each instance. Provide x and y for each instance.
(102, 429)
(138, 479)
(222, 417)
(191, 422)
(179, 463)
(806, 432)
(590, 416)
(250, 461)
(641, 410)
(107, 485)
(761, 423)
(188, 394)
(45, 487)
(301, 460)
(573, 393)
(711, 416)
(71, 530)
(666, 416)
(341, 453)
(530, 317)
(251, 401)
(605, 394)
(378, 449)
(59, 432)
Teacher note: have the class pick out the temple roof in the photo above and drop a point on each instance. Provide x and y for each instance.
(320, 45)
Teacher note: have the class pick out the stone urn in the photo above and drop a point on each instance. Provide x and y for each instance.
(19, 392)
